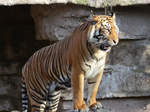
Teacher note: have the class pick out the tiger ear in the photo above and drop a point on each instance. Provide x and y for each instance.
(90, 18)
(91, 15)
(113, 15)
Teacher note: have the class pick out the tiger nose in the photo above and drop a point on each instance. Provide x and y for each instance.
(115, 42)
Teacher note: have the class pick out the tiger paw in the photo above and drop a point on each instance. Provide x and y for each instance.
(95, 107)
(83, 109)
(80, 106)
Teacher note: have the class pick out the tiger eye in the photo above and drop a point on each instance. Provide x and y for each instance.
(93, 22)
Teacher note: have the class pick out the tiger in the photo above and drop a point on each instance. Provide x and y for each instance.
(67, 64)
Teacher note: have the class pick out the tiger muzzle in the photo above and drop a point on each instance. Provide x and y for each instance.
(105, 47)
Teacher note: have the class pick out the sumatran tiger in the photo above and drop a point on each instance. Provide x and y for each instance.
(68, 63)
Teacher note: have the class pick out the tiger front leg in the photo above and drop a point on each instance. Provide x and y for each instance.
(93, 85)
(78, 92)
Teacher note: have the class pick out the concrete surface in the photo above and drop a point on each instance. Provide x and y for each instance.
(118, 105)
(55, 22)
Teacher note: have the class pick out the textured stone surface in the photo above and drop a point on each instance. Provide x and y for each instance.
(56, 22)
(17, 43)
(5, 105)
(9, 68)
(117, 105)
(10, 93)
(93, 3)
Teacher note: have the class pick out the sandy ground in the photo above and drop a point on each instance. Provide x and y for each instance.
(118, 105)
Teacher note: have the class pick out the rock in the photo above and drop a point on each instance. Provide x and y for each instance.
(10, 93)
(130, 70)
(92, 3)
(117, 105)
(148, 107)
(5, 105)
(55, 22)
(9, 68)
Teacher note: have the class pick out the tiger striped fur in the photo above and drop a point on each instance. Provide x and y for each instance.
(67, 63)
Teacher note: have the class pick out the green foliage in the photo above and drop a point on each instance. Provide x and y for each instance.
(82, 2)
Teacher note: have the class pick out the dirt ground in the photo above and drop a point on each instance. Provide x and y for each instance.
(118, 105)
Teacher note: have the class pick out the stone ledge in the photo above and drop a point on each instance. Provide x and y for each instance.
(117, 105)
(56, 22)
(92, 3)
(9, 68)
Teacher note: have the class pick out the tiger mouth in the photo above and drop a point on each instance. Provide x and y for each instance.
(105, 47)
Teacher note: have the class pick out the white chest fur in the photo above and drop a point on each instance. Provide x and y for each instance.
(95, 66)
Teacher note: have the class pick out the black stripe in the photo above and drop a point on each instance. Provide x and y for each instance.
(24, 91)
(35, 98)
(91, 82)
(84, 57)
(54, 95)
(43, 51)
(40, 78)
(85, 62)
(23, 87)
(69, 73)
(35, 106)
(41, 69)
(24, 104)
(39, 98)
(82, 68)
(54, 99)
(56, 64)
(83, 26)
(25, 98)
(53, 107)
(37, 91)
(53, 69)
(43, 89)
(59, 65)
(49, 64)
(91, 52)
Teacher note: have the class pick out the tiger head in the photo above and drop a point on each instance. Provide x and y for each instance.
(103, 32)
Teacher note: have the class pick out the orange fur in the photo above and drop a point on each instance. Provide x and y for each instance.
(95, 89)
(78, 77)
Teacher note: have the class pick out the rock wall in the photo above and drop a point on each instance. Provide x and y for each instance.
(127, 73)
(17, 44)
(56, 22)
(92, 3)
